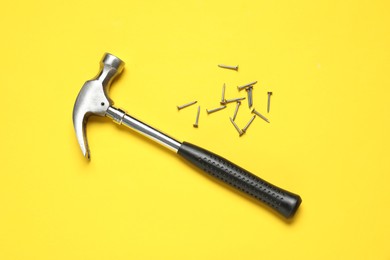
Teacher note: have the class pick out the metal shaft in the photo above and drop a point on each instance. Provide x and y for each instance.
(248, 124)
(209, 111)
(250, 96)
(234, 100)
(228, 67)
(120, 117)
(246, 85)
(236, 110)
(197, 118)
(223, 100)
(269, 101)
(186, 105)
(260, 115)
(236, 126)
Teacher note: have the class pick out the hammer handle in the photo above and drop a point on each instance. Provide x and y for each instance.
(282, 201)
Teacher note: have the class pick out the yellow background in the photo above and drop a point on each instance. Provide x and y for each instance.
(327, 62)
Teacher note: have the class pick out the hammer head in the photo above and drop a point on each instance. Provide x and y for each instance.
(93, 98)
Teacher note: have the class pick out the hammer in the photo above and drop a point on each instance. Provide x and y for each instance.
(93, 99)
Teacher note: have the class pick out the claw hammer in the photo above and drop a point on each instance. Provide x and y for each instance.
(93, 99)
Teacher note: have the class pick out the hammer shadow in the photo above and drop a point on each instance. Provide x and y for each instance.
(126, 130)
(101, 120)
(241, 194)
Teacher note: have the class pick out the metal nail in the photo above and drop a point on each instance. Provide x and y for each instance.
(236, 110)
(215, 109)
(223, 100)
(234, 100)
(197, 118)
(247, 125)
(250, 96)
(228, 67)
(269, 101)
(186, 105)
(246, 85)
(236, 126)
(260, 115)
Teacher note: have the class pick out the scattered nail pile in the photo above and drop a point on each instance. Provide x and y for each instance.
(249, 89)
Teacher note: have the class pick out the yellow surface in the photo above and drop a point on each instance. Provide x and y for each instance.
(328, 64)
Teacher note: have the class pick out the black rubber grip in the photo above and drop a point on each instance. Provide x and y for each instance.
(282, 201)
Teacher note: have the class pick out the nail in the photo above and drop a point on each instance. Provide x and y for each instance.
(247, 125)
(197, 118)
(269, 101)
(250, 96)
(228, 67)
(236, 126)
(260, 115)
(234, 100)
(215, 109)
(236, 111)
(186, 105)
(223, 100)
(246, 85)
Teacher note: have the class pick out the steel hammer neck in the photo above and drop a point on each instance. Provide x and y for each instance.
(120, 117)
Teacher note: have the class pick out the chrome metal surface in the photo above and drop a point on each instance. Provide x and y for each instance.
(120, 117)
(93, 98)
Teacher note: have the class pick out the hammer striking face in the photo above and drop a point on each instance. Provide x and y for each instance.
(93, 100)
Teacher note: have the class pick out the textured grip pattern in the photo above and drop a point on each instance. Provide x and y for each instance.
(282, 201)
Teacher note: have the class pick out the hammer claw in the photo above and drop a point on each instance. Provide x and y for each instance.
(93, 98)
(80, 123)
